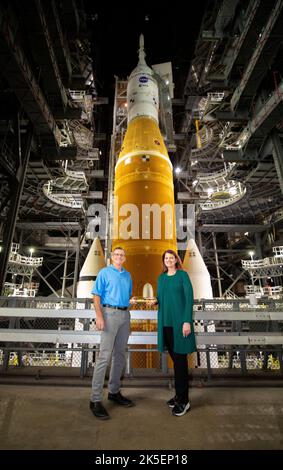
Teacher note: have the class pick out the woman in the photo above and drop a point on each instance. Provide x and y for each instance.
(175, 325)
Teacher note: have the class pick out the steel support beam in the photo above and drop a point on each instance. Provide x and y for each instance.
(46, 282)
(18, 184)
(250, 155)
(61, 46)
(278, 157)
(232, 228)
(267, 46)
(65, 273)
(234, 282)
(217, 264)
(76, 269)
(16, 69)
(200, 242)
(43, 51)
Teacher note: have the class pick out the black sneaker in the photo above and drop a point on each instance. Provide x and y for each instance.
(119, 399)
(98, 410)
(172, 402)
(181, 409)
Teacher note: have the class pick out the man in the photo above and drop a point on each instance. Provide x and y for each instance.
(112, 292)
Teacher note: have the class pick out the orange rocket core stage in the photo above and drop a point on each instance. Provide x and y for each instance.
(143, 178)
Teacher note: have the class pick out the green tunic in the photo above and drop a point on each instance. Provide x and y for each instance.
(175, 300)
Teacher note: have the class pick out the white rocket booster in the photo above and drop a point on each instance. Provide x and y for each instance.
(94, 262)
(200, 279)
(197, 271)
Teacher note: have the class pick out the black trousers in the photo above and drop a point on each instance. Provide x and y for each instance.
(180, 366)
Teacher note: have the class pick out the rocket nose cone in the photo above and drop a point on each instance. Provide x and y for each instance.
(94, 261)
(191, 244)
(197, 271)
(193, 260)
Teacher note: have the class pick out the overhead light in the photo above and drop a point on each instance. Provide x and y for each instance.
(246, 233)
(178, 170)
(209, 191)
(233, 191)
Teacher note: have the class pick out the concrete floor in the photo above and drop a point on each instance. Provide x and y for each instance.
(57, 417)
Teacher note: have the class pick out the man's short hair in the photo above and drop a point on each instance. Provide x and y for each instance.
(118, 248)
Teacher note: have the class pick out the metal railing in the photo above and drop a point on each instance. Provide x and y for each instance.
(231, 334)
(269, 291)
(216, 175)
(62, 190)
(26, 289)
(15, 257)
(272, 261)
(234, 194)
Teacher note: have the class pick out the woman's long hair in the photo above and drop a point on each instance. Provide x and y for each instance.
(177, 258)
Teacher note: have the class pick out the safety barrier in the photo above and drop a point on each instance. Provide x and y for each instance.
(230, 334)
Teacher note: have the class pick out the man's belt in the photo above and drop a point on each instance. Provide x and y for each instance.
(113, 306)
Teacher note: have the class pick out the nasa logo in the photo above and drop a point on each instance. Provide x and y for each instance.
(143, 79)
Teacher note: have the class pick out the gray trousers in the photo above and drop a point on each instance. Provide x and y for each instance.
(114, 339)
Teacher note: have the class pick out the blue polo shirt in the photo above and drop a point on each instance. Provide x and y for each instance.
(114, 287)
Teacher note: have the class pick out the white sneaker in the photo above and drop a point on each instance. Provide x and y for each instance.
(172, 402)
(181, 409)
